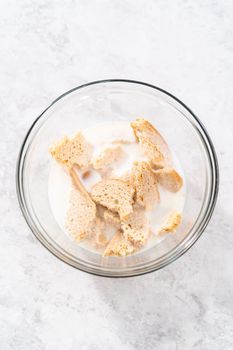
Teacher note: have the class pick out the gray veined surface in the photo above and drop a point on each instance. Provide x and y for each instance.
(47, 48)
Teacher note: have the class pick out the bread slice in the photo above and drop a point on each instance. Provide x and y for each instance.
(118, 246)
(114, 194)
(136, 227)
(169, 179)
(107, 157)
(80, 215)
(145, 185)
(153, 144)
(70, 152)
(172, 223)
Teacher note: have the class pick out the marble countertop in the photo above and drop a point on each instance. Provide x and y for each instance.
(48, 47)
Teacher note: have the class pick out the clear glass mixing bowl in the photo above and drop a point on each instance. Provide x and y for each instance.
(118, 100)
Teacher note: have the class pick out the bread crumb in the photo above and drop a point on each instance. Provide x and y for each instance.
(86, 175)
(172, 223)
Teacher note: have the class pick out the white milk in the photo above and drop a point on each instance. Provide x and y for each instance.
(102, 136)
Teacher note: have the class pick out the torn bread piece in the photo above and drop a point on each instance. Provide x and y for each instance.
(107, 157)
(114, 194)
(153, 144)
(112, 218)
(79, 185)
(108, 216)
(169, 179)
(122, 142)
(119, 246)
(126, 176)
(80, 214)
(69, 152)
(136, 227)
(96, 233)
(95, 230)
(172, 223)
(145, 184)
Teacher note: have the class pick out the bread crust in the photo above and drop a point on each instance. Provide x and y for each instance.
(153, 144)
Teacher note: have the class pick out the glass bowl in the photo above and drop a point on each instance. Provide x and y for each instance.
(118, 100)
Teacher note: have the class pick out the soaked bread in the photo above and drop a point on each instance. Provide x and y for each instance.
(107, 157)
(172, 223)
(80, 215)
(118, 246)
(136, 227)
(145, 185)
(114, 194)
(169, 179)
(69, 152)
(153, 144)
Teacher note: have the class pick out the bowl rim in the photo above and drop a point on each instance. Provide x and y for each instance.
(214, 169)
